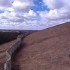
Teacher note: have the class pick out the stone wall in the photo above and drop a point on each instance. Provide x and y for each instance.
(10, 52)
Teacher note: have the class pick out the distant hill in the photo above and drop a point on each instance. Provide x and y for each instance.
(9, 35)
(47, 49)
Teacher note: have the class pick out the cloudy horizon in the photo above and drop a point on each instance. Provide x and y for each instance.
(33, 14)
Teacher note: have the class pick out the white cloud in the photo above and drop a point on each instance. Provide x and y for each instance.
(16, 9)
(5, 3)
(53, 4)
(29, 14)
(18, 13)
(58, 9)
(22, 5)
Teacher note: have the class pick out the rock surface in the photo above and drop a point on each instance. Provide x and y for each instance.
(48, 49)
(3, 49)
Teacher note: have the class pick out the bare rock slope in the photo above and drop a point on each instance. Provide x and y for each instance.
(48, 49)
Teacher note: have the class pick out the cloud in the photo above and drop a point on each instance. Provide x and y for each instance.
(53, 4)
(22, 5)
(58, 9)
(56, 4)
(17, 5)
(18, 14)
(16, 9)
(5, 3)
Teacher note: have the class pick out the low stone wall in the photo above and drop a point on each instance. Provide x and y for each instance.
(9, 53)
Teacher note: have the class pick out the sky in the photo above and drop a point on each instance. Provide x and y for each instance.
(33, 14)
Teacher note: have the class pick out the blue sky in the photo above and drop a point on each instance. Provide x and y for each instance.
(33, 14)
(1, 11)
(39, 6)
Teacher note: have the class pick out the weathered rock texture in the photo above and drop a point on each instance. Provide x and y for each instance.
(9, 43)
(9, 54)
(48, 49)
(3, 49)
